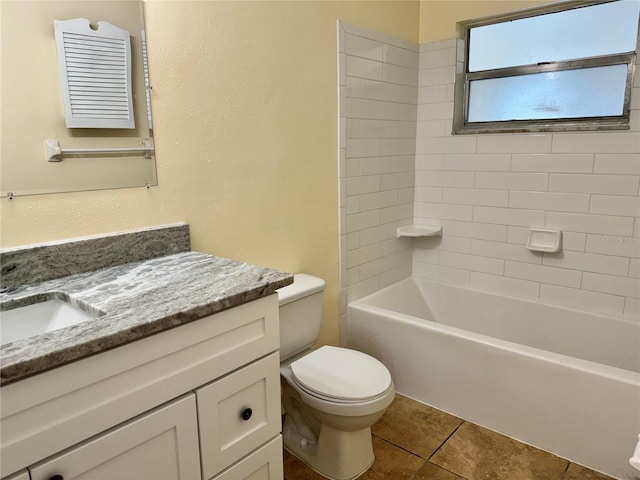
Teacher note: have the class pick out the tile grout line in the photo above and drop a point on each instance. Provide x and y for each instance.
(446, 440)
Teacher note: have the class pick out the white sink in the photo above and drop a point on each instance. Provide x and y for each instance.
(24, 322)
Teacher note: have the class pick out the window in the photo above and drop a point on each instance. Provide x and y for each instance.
(564, 67)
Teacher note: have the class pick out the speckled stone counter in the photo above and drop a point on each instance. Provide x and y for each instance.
(131, 301)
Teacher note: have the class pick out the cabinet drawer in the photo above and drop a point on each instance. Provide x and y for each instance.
(161, 444)
(238, 413)
(263, 464)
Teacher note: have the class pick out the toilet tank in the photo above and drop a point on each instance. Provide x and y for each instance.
(300, 314)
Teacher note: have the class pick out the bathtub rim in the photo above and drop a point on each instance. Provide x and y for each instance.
(620, 374)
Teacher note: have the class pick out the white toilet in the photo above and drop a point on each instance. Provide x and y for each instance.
(331, 396)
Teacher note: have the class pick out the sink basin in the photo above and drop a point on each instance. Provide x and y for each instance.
(24, 322)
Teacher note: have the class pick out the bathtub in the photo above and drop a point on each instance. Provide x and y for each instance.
(562, 380)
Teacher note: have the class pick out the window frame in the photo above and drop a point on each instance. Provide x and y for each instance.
(464, 77)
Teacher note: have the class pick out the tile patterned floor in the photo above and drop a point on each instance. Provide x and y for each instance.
(415, 442)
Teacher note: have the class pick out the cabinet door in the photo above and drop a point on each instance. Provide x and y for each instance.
(160, 445)
(238, 413)
(263, 464)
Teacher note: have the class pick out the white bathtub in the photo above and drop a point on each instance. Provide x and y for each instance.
(562, 380)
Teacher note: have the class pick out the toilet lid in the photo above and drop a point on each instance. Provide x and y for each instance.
(341, 373)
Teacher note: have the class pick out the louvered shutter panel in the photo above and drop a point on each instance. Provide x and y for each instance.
(95, 71)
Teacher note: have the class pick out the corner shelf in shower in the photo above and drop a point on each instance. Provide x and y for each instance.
(419, 231)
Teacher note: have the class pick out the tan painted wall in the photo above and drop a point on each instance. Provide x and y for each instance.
(245, 117)
(438, 17)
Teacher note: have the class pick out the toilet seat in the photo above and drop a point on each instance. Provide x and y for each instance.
(341, 375)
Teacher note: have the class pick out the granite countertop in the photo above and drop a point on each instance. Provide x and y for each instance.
(131, 301)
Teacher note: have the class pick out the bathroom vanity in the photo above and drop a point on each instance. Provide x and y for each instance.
(177, 376)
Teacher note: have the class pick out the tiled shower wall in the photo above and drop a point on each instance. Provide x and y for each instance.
(378, 82)
(487, 190)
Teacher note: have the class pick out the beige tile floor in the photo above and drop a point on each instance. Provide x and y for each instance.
(415, 442)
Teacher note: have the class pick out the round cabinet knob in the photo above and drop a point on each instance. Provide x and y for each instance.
(56, 477)
(246, 415)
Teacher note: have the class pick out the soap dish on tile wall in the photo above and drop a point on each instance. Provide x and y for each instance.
(542, 240)
(419, 231)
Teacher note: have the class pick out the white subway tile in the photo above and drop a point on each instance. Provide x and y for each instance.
(428, 194)
(396, 180)
(361, 221)
(377, 128)
(394, 275)
(407, 163)
(441, 274)
(377, 234)
(424, 210)
(561, 163)
(363, 68)
(436, 76)
(581, 299)
(352, 276)
(362, 289)
(399, 75)
(514, 144)
(543, 274)
(431, 128)
(623, 246)
(586, 223)
(397, 111)
(357, 30)
(632, 309)
(363, 147)
(447, 243)
(371, 201)
(481, 231)
(376, 267)
(397, 146)
(438, 58)
(506, 251)
(378, 165)
(561, 202)
(400, 56)
(617, 163)
(433, 94)
(408, 129)
(435, 111)
(508, 216)
(387, 92)
(362, 184)
(504, 285)
(614, 205)
(353, 204)
(588, 262)
(396, 213)
(634, 268)
(598, 184)
(596, 142)
(456, 144)
(363, 47)
(342, 69)
(512, 181)
(472, 262)
(431, 161)
(406, 195)
(474, 196)
(623, 286)
(352, 241)
(362, 255)
(397, 41)
(441, 178)
(426, 255)
(362, 108)
(477, 162)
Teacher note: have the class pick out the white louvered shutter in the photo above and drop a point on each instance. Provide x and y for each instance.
(95, 71)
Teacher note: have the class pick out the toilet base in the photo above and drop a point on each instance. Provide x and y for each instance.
(337, 454)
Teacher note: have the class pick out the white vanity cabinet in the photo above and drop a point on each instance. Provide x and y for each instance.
(200, 401)
(162, 444)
